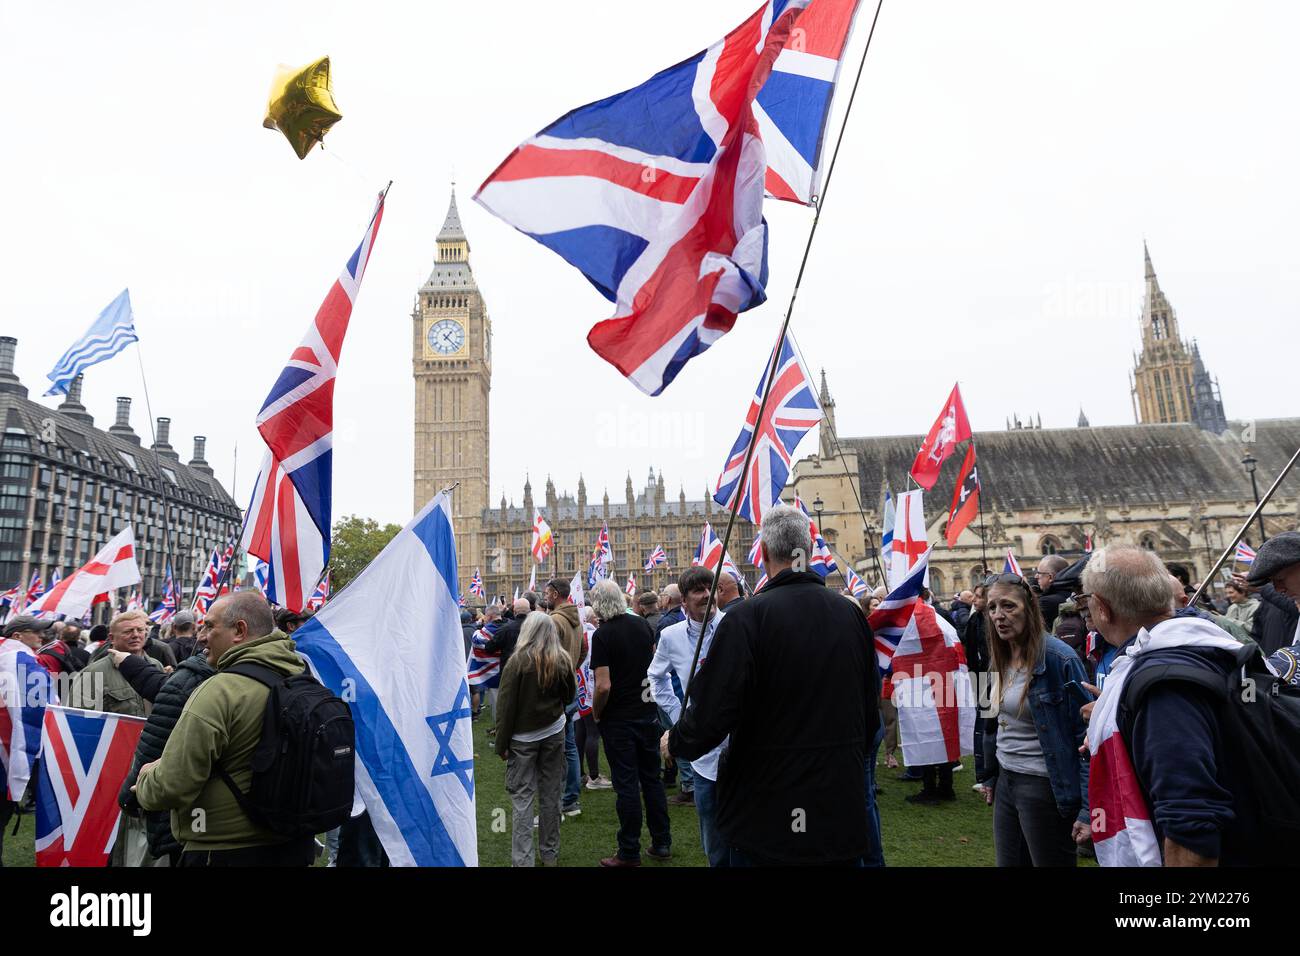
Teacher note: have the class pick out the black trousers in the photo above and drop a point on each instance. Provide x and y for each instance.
(936, 778)
(7, 810)
(297, 852)
(1028, 828)
(632, 752)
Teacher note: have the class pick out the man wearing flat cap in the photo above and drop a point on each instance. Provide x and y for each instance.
(1276, 571)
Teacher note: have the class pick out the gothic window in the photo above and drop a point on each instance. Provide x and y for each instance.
(1049, 545)
(1148, 541)
(977, 575)
(937, 584)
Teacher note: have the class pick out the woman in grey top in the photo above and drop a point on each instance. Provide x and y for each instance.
(1039, 782)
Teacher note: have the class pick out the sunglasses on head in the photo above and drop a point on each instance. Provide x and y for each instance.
(1006, 577)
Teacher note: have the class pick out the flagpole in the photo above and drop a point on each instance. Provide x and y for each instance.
(1241, 533)
(162, 479)
(979, 500)
(819, 203)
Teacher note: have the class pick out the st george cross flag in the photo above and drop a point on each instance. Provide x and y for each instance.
(543, 540)
(931, 684)
(133, 602)
(113, 567)
(415, 749)
(910, 538)
(26, 688)
(857, 586)
(965, 498)
(1011, 565)
(1123, 834)
(630, 587)
(288, 520)
(85, 758)
(950, 428)
(532, 579)
(1245, 554)
(111, 332)
(821, 560)
(657, 557)
(602, 556)
(794, 104)
(791, 412)
(656, 196)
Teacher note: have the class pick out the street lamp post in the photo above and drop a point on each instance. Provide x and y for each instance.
(818, 504)
(1249, 464)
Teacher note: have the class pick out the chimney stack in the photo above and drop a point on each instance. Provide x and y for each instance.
(197, 462)
(72, 406)
(122, 427)
(8, 380)
(161, 444)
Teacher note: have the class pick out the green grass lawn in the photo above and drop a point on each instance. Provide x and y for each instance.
(951, 834)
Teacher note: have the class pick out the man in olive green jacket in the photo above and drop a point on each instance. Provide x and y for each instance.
(222, 723)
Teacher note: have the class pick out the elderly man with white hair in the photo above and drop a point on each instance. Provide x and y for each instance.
(792, 677)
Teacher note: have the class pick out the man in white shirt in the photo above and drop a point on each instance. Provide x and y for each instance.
(673, 655)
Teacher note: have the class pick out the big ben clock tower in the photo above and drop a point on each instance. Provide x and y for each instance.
(452, 363)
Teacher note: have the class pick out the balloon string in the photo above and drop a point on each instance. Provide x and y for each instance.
(346, 165)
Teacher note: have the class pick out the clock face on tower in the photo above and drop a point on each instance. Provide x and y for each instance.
(446, 337)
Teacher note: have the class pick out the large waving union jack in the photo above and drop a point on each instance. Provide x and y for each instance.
(656, 194)
(288, 522)
(476, 584)
(792, 410)
(657, 557)
(85, 758)
(602, 556)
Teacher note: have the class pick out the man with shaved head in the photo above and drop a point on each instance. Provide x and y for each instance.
(1050, 595)
(218, 730)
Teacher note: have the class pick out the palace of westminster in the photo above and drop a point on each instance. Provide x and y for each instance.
(1179, 482)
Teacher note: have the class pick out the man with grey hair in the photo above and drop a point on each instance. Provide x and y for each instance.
(1050, 594)
(1173, 732)
(792, 677)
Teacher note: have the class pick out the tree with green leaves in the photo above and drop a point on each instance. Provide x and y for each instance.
(356, 542)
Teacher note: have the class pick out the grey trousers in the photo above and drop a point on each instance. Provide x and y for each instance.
(535, 770)
(1028, 829)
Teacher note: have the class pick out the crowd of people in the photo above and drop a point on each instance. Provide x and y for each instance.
(697, 688)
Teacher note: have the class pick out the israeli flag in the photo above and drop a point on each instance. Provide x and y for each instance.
(390, 645)
(113, 331)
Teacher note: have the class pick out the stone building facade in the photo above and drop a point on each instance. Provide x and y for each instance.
(67, 487)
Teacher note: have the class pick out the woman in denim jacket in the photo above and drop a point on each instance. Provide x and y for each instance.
(1038, 783)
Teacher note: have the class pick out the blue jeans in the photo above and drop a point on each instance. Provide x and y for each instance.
(875, 855)
(573, 774)
(706, 808)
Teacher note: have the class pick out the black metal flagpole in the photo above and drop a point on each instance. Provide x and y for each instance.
(775, 361)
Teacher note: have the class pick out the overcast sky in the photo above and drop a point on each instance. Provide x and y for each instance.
(1001, 168)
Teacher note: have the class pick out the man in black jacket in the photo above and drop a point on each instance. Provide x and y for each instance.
(1051, 595)
(504, 640)
(791, 676)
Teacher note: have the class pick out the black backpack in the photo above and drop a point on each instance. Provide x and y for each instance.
(303, 767)
(70, 661)
(1259, 717)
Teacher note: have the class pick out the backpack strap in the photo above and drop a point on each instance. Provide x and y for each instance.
(1138, 684)
(268, 676)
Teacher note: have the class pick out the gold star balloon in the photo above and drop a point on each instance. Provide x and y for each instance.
(302, 105)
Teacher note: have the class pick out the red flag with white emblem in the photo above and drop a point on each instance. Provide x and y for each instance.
(949, 429)
(965, 498)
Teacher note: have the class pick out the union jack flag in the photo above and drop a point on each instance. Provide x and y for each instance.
(25, 689)
(207, 591)
(34, 590)
(709, 554)
(857, 586)
(86, 756)
(166, 610)
(891, 618)
(1245, 554)
(320, 595)
(1011, 565)
(657, 557)
(133, 602)
(288, 520)
(821, 560)
(656, 194)
(792, 410)
(483, 669)
(56, 576)
(602, 556)
(476, 584)
(261, 576)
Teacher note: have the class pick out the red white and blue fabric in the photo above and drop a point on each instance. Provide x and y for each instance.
(1011, 565)
(55, 577)
(34, 590)
(476, 584)
(857, 586)
(261, 576)
(1123, 834)
(112, 567)
(484, 669)
(85, 758)
(794, 104)
(25, 689)
(133, 602)
(288, 520)
(320, 595)
(709, 554)
(1245, 553)
(656, 196)
(756, 559)
(910, 539)
(792, 411)
(166, 609)
(207, 591)
(657, 557)
(602, 556)
(586, 681)
(821, 560)
(922, 658)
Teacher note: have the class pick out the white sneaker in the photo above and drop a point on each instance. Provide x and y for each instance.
(600, 783)
(958, 769)
(979, 788)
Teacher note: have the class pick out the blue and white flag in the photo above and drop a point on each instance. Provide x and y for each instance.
(113, 331)
(415, 748)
